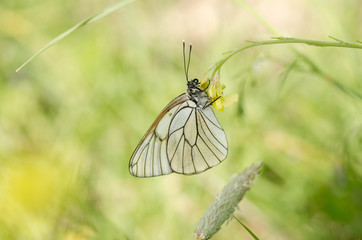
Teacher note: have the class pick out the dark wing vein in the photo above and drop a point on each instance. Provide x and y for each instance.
(202, 116)
(160, 158)
(176, 112)
(192, 157)
(208, 166)
(183, 160)
(182, 135)
(210, 149)
(212, 134)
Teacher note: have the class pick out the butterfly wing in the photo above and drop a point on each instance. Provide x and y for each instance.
(196, 140)
(184, 138)
(150, 158)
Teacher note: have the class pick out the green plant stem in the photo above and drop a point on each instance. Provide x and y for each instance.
(281, 40)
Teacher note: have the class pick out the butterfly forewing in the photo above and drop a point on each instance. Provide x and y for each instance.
(185, 138)
(145, 164)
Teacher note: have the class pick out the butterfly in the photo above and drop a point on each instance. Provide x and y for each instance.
(185, 138)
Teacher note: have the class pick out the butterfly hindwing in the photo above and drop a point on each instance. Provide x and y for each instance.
(196, 140)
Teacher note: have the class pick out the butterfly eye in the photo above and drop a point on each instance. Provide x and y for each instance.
(195, 81)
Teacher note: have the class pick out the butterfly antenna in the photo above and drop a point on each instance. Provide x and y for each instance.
(188, 64)
(184, 50)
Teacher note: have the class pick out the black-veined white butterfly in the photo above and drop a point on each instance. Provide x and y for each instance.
(185, 138)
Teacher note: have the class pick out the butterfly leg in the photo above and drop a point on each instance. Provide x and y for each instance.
(208, 104)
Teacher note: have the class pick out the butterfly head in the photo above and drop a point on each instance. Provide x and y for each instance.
(195, 83)
(193, 87)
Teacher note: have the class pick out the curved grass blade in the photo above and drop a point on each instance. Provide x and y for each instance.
(247, 229)
(86, 21)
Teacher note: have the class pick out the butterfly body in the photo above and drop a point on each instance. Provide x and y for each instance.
(196, 94)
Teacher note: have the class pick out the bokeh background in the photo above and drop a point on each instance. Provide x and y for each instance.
(70, 120)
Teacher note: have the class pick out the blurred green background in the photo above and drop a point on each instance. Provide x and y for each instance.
(70, 120)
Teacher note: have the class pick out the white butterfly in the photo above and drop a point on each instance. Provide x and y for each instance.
(185, 138)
